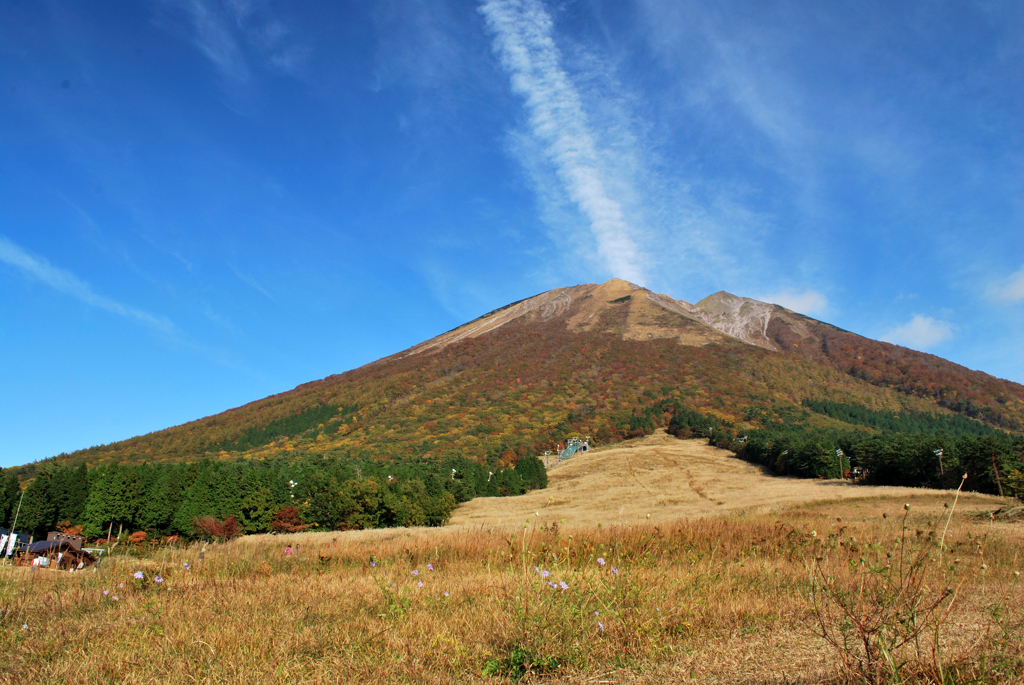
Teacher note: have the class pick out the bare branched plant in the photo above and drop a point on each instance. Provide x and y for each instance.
(884, 608)
(870, 607)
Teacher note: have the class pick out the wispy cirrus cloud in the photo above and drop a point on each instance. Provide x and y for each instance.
(39, 269)
(920, 333)
(251, 282)
(226, 31)
(214, 39)
(523, 39)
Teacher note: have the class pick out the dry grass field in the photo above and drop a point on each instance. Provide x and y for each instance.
(737, 577)
(660, 479)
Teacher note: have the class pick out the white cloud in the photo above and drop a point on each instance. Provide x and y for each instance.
(526, 47)
(66, 282)
(806, 302)
(920, 333)
(1011, 289)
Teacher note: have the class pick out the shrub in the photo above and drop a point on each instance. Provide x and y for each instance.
(288, 520)
(220, 530)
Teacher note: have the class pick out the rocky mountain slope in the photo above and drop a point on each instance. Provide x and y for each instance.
(592, 359)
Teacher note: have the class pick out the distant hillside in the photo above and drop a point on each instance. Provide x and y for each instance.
(605, 360)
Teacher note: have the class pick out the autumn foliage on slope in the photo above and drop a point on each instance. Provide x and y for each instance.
(971, 393)
(529, 384)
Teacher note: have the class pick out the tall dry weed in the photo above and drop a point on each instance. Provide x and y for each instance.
(896, 609)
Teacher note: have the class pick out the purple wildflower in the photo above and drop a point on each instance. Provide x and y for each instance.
(106, 592)
(553, 586)
(600, 560)
(419, 584)
(595, 613)
(601, 626)
(536, 569)
(138, 575)
(562, 585)
(415, 572)
(615, 571)
(116, 599)
(446, 594)
(159, 579)
(187, 567)
(120, 584)
(545, 574)
(430, 567)
(373, 563)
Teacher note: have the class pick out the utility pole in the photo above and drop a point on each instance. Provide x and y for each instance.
(14, 536)
(938, 453)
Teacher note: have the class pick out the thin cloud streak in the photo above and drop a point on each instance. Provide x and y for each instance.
(66, 282)
(215, 41)
(523, 39)
(251, 282)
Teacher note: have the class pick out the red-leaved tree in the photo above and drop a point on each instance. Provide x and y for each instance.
(287, 520)
(221, 530)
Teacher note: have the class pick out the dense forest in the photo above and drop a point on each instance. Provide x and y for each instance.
(915, 423)
(226, 498)
(907, 449)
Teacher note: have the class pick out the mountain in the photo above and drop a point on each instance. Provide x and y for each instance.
(601, 360)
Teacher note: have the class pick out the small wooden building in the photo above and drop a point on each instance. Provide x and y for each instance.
(55, 554)
(75, 541)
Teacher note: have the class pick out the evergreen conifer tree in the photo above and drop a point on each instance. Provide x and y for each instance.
(10, 495)
(39, 510)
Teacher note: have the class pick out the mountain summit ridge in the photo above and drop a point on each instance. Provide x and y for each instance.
(740, 318)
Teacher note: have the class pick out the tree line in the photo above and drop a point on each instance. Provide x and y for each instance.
(926, 451)
(914, 423)
(194, 499)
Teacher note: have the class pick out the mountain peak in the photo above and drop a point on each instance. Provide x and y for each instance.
(619, 285)
(739, 317)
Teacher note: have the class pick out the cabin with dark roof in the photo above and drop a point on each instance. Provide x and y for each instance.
(55, 554)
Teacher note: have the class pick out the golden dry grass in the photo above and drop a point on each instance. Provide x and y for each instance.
(668, 479)
(718, 599)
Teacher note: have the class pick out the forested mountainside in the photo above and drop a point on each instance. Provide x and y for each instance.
(601, 360)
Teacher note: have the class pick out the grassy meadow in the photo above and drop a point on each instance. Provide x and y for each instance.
(826, 591)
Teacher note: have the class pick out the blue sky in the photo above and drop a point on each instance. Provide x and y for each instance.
(203, 203)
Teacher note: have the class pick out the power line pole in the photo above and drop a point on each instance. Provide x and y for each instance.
(14, 536)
